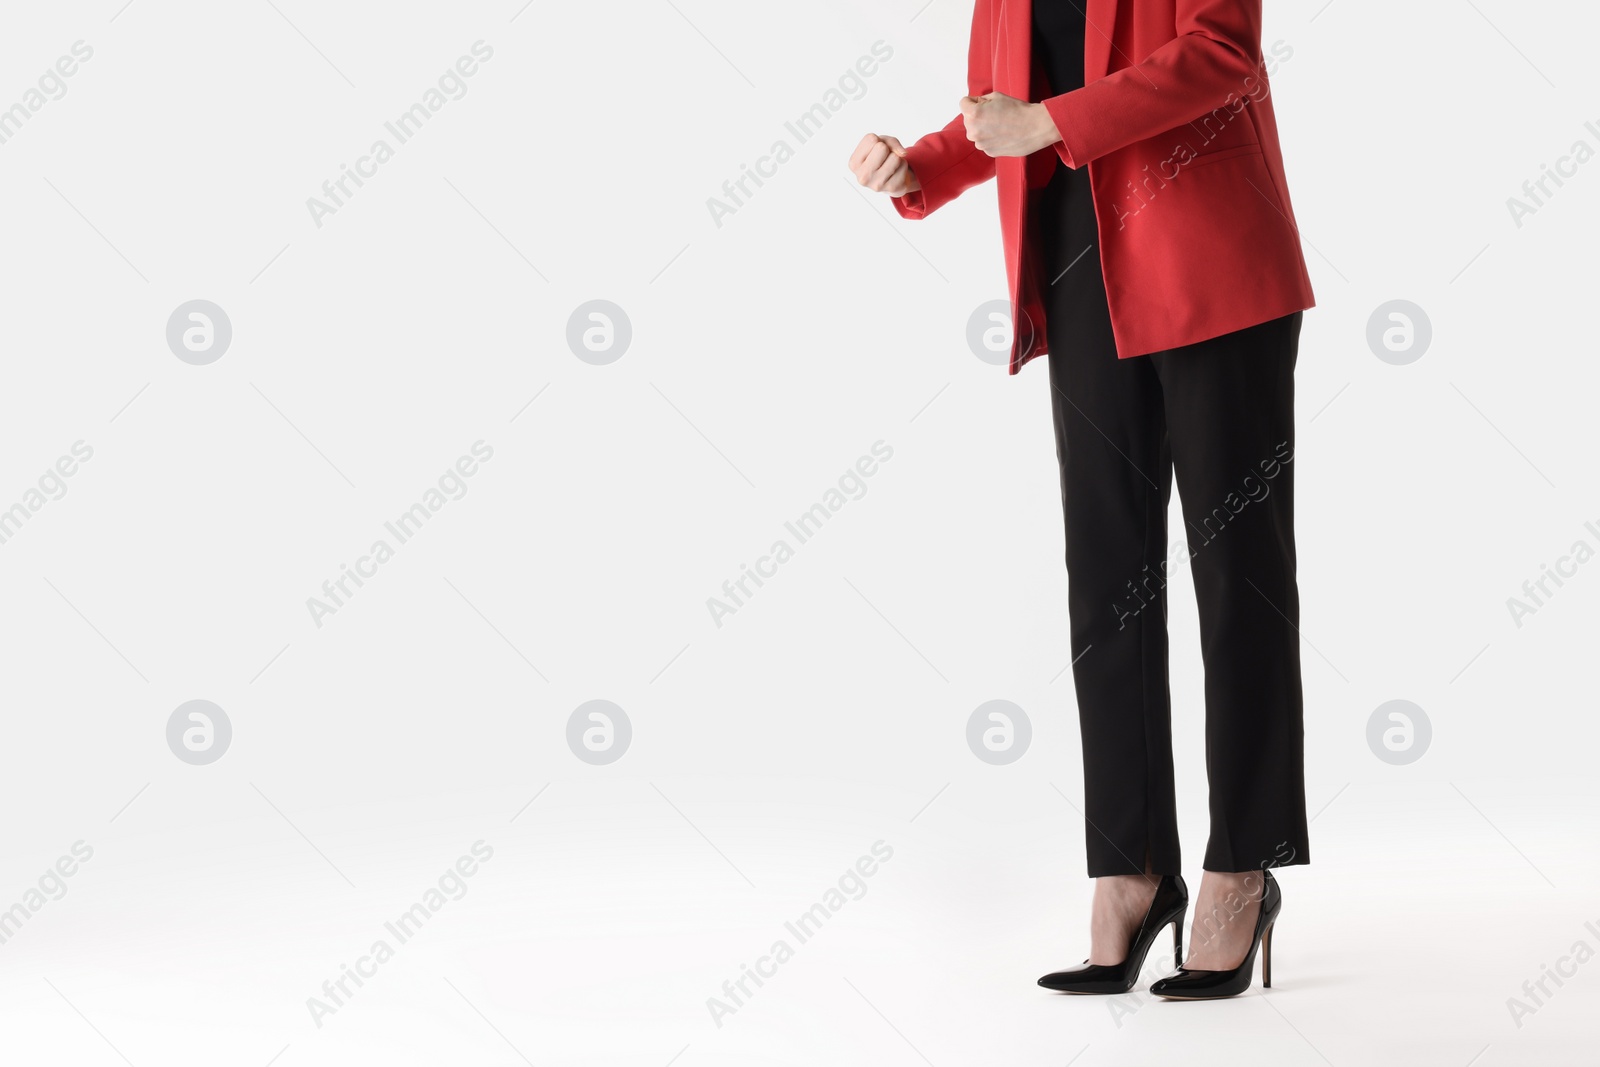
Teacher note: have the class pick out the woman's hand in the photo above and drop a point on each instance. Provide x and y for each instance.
(880, 164)
(1001, 125)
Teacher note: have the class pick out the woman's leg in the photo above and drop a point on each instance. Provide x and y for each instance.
(1116, 481)
(1115, 485)
(1230, 416)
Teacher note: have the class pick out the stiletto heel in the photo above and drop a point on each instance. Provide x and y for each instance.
(1188, 984)
(1168, 906)
(1266, 957)
(1177, 941)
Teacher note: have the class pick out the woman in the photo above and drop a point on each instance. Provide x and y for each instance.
(1152, 253)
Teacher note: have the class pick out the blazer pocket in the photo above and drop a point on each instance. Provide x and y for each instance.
(1207, 158)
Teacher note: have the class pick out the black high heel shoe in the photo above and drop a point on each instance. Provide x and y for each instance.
(1186, 984)
(1171, 901)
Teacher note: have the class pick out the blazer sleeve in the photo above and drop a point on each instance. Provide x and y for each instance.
(945, 162)
(1215, 56)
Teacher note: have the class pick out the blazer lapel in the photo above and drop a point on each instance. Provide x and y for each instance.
(1101, 23)
(1016, 30)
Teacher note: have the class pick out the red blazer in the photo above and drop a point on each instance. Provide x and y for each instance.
(1197, 237)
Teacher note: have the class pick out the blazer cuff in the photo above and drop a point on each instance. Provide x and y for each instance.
(913, 205)
(945, 168)
(1060, 111)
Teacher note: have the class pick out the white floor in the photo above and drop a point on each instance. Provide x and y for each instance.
(603, 923)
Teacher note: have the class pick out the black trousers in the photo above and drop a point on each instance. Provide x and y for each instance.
(1220, 414)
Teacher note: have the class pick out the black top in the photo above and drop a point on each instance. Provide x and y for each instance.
(1058, 29)
(1067, 253)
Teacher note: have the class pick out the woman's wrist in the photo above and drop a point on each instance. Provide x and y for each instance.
(1048, 134)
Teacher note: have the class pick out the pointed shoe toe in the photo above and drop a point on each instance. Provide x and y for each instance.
(1187, 984)
(1166, 909)
(1090, 978)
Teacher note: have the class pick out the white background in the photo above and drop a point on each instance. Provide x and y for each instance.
(768, 354)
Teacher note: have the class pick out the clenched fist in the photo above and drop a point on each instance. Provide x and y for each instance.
(1001, 125)
(880, 164)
